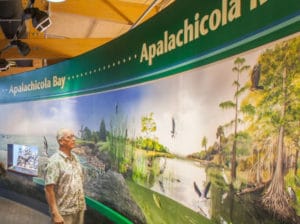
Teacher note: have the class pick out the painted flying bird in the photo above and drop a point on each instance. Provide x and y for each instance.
(205, 191)
(255, 77)
(197, 190)
(116, 108)
(173, 128)
(46, 146)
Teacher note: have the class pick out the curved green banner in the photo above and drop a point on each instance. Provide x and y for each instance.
(187, 34)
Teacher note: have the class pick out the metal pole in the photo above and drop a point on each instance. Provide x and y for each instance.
(144, 14)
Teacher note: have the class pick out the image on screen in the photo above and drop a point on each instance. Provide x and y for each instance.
(22, 159)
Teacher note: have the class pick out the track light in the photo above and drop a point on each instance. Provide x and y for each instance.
(23, 47)
(40, 19)
(5, 65)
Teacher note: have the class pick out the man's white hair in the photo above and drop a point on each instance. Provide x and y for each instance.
(62, 132)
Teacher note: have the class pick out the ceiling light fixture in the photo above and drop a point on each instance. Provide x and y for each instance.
(5, 65)
(40, 19)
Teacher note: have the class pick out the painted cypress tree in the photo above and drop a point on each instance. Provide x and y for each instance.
(102, 131)
(278, 107)
(238, 69)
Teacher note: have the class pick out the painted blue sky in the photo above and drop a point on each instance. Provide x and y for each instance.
(91, 109)
(191, 98)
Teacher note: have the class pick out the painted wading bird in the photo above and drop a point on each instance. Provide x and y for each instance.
(292, 194)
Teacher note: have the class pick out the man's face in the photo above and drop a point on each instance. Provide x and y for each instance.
(68, 140)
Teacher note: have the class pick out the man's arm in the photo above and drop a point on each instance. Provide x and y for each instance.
(50, 196)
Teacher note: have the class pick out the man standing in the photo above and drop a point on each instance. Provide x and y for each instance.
(63, 182)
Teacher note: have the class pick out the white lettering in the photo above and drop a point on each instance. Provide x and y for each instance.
(144, 55)
(215, 19)
(59, 81)
(235, 10)
(189, 32)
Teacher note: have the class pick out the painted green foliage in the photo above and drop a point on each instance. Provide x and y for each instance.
(148, 125)
(277, 116)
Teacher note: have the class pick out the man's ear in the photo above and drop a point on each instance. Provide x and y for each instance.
(60, 141)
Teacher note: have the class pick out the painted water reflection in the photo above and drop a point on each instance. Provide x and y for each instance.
(175, 178)
(177, 182)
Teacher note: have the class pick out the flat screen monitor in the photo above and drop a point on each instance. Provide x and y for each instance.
(22, 159)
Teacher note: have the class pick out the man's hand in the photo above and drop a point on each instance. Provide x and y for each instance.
(57, 218)
(50, 196)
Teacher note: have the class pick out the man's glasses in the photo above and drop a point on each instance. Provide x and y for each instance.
(69, 136)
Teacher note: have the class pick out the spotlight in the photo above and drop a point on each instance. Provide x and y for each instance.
(4, 65)
(40, 19)
(23, 48)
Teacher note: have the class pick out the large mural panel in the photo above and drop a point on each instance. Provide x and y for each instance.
(174, 123)
(163, 151)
